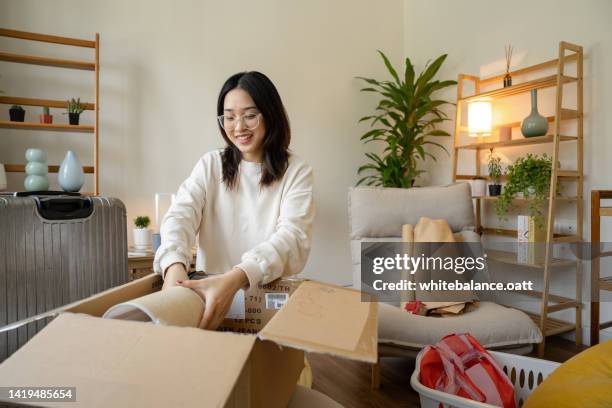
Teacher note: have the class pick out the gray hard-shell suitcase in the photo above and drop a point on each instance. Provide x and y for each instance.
(55, 250)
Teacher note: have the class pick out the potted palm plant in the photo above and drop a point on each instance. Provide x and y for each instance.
(405, 121)
(142, 233)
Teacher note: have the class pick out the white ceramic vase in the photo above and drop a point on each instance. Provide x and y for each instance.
(71, 177)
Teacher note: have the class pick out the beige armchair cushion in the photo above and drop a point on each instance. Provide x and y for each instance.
(381, 212)
(491, 324)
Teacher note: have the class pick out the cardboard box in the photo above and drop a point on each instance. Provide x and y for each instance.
(261, 304)
(114, 363)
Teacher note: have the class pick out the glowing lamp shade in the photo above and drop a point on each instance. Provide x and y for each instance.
(479, 118)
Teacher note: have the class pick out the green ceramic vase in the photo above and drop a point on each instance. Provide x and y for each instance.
(534, 124)
(36, 170)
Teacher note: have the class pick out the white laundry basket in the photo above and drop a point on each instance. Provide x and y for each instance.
(525, 373)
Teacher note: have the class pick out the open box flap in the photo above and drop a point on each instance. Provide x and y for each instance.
(122, 363)
(326, 319)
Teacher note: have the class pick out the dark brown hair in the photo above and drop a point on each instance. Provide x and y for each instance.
(278, 134)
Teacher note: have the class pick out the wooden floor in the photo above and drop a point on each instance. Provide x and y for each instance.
(348, 382)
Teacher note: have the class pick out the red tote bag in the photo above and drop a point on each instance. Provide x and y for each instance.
(459, 365)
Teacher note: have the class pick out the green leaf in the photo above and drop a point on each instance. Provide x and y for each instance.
(443, 84)
(371, 133)
(369, 81)
(437, 133)
(430, 71)
(374, 157)
(436, 144)
(409, 73)
(421, 151)
(390, 68)
(367, 118)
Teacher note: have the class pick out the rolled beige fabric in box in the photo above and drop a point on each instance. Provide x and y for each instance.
(175, 306)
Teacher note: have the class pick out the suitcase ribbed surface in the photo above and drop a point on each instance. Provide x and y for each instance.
(46, 264)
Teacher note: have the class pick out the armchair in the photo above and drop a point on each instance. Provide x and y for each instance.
(378, 214)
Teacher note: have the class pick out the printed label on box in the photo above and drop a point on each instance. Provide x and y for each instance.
(276, 300)
(260, 305)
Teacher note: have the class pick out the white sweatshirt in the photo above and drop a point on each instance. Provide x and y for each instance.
(264, 231)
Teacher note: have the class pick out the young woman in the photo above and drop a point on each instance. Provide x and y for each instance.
(250, 205)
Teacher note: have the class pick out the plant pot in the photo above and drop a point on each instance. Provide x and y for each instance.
(17, 115)
(142, 238)
(46, 118)
(495, 190)
(73, 118)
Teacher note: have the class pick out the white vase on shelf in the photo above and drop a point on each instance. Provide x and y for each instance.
(71, 177)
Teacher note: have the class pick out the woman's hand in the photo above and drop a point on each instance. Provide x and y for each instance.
(175, 272)
(218, 292)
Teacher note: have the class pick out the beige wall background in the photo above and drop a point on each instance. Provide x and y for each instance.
(162, 66)
(473, 33)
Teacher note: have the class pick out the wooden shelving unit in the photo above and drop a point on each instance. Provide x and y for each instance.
(598, 283)
(93, 66)
(520, 199)
(47, 126)
(510, 258)
(549, 302)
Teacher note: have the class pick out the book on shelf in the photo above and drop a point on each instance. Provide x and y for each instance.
(531, 235)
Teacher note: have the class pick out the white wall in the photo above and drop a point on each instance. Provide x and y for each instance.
(162, 65)
(474, 33)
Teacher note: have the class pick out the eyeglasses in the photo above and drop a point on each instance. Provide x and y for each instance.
(230, 121)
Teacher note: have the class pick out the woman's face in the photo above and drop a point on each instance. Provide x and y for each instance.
(244, 124)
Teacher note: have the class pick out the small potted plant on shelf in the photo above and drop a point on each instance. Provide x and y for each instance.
(74, 110)
(142, 233)
(528, 177)
(495, 173)
(17, 113)
(46, 116)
